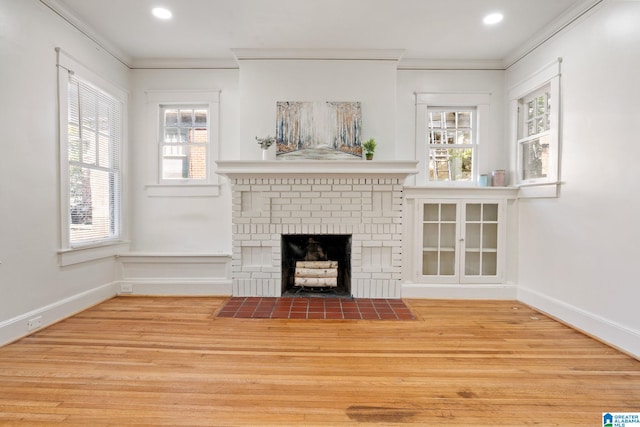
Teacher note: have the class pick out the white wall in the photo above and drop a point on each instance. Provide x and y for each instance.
(30, 277)
(180, 224)
(578, 253)
(264, 82)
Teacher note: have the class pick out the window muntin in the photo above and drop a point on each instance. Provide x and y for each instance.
(451, 144)
(184, 140)
(94, 139)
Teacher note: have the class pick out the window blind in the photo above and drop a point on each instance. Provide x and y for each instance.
(94, 143)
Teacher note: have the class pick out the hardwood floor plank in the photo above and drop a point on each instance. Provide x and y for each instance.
(170, 361)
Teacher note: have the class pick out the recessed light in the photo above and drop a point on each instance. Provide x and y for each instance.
(493, 18)
(161, 13)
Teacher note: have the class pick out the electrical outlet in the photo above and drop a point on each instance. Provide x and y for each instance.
(34, 323)
(126, 288)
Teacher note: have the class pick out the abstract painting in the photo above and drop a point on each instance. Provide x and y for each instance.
(318, 130)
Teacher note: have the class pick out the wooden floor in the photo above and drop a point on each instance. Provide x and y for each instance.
(169, 361)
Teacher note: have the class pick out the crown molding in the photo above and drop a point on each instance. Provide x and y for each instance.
(450, 64)
(551, 30)
(186, 63)
(63, 12)
(318, 54)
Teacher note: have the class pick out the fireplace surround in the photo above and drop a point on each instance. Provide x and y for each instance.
(363, 200)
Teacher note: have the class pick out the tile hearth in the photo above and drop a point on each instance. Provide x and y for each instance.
(315, 308)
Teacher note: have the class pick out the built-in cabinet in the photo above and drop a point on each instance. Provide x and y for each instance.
(458, 236)
(458, 241)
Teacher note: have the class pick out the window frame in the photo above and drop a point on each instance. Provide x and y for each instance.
(76, 252)
(546, 77)
(158, 186)
(479, 102)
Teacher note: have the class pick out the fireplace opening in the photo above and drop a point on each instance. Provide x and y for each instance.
(316, 264)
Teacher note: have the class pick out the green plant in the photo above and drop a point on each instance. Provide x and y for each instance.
(369, 146)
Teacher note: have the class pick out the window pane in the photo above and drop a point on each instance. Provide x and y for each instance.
(171, 117)
(535, 158)
(450, 137)
(464, 137)
(88, 147)
(451, 119)
(450, 164)
(435, 120)
(464, 119)
(198, 163)
(201, 117)
(186, 118)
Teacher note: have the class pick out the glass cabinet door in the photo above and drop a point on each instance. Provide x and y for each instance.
(480, 240)
(459, 241)
(440, 239)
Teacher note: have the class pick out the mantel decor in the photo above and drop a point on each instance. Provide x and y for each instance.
(265, 143)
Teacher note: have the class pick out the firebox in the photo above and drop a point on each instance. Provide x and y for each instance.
(316, 264)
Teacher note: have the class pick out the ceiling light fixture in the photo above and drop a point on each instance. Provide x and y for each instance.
(493, 18)
(161, 13)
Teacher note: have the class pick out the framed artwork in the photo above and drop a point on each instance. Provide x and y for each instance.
(318, 130)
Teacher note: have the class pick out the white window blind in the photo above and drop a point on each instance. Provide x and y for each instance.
(94, 132)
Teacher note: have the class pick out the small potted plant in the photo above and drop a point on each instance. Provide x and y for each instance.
(369, 148)
(265, 143)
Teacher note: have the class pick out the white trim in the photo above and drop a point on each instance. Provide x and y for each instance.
(16, 328)
(90, 253)
(459, 291)
(450, 64)
(535, 80)
(601, 328)
(533, 191)
(316, 168)
(318, 54)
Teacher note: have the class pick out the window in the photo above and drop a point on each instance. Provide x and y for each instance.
(92, 117)
(183, 135)
(184, 140)
(94, 132)
(450, 130)
(535, 118)
(451, 144)
(534, 135)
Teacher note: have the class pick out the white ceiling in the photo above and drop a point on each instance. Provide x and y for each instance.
(424, 30)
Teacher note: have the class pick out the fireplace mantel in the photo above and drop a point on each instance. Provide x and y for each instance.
(235, 169)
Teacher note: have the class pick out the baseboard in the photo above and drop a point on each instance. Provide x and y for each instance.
(18, 327)
(155, 287)
(458, 291)
(614, 334)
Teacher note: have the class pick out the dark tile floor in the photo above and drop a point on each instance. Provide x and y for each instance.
(316, 308)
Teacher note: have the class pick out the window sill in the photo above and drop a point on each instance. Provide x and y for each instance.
(91, 253)
(182, 190)
(535, 191)
(460, 192)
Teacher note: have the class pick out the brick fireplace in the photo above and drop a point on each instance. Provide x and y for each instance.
(363, 200)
